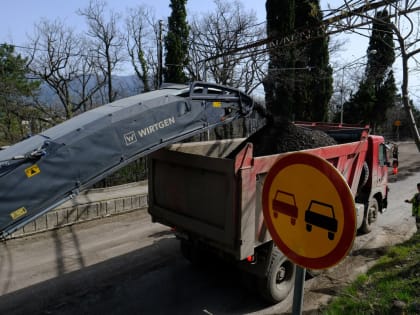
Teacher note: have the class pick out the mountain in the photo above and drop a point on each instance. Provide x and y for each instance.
(123, 85)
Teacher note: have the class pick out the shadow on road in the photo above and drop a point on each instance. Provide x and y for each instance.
(152, 280)
(59, 250)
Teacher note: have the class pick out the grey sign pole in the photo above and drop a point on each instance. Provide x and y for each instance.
(298, 290)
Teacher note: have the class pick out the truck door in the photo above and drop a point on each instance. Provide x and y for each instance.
(383, 155)
(383, 162)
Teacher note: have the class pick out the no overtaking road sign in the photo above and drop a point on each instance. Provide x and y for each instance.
(309, 210)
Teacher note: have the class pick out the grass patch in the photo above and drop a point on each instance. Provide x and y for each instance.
(390, 287)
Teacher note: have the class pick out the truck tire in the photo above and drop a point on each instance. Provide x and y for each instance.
(370, 216)
(279, 279)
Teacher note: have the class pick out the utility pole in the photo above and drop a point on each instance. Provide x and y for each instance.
(160, 54)
(342, 98)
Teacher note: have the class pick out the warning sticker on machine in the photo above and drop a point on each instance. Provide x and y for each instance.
(32, 171)
(18, 213)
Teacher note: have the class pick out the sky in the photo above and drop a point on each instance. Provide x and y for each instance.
(18, 17)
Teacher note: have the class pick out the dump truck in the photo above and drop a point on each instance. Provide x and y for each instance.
(210, 193)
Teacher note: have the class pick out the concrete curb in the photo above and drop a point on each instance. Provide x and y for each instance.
(93, 204)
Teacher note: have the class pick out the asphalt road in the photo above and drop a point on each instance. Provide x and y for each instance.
(128, 265)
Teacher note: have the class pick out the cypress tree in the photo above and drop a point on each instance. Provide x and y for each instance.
(379, 67)
(279, 83)
(299, 81)
(380, 53)
(313, 88)
(176, 43)
(359, 108)
(377, 90)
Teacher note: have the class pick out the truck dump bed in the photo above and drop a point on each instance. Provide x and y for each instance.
(192, 186)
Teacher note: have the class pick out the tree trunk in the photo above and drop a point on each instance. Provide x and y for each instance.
(404, 90)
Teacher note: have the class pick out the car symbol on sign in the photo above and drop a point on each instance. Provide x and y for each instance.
(285, 203)
(321, 215)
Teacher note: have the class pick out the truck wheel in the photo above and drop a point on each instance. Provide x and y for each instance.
(279, 280)
(370, 216)
(364, 176)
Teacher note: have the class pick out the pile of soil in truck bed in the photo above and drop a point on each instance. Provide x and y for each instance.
(276, 138)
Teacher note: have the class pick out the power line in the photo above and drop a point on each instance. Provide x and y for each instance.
(354, 20)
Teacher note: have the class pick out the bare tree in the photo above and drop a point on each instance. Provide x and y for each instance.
(408, 50)
(89, 81)
(59, 60)
(107, 41)
(346, 81)
(226, 28)
(142, 36)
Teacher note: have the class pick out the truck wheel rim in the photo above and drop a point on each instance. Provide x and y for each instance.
(281, 275)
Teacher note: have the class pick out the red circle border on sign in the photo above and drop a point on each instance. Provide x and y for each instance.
(349, 225)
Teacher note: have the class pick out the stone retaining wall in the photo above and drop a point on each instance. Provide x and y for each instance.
(105, 204)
